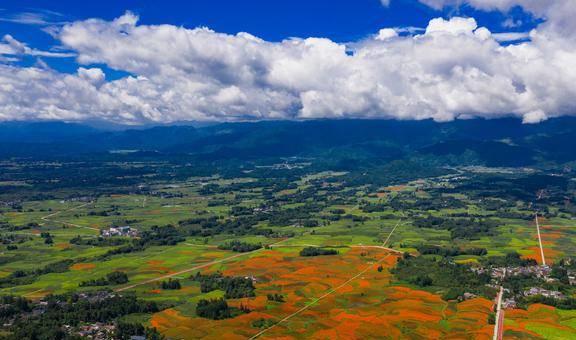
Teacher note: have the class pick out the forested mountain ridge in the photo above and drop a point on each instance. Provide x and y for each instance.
(502, 142)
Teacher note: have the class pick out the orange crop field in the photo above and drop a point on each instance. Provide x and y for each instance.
(552, 243)
(553, 238)
(83, 266)
(395, 188)
(62, 246)
(550, 254)
(389, 312)
(539, 321)
(366, 307)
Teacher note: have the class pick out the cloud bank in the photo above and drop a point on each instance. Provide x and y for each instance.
(454, 69)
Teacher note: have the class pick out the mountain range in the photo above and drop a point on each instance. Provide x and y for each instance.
(499, 142)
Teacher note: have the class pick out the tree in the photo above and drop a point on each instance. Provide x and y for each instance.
(215, 309)
(171, 284)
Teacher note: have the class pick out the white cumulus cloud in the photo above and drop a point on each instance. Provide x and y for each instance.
(453, 26)
(386, 33)
(453, 69)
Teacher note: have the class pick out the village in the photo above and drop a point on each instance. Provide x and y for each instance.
(544, 274)
(124, 231)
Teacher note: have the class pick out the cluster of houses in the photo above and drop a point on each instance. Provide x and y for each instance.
(125, 231)
(82, 199)
(264, 210)
(10, 204)
(511, 303)
(285, 166)
(96, 331)
(545, 293)
(467, 296)
(541, 272)
(571, 273)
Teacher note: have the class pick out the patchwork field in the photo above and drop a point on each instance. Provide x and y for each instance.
(354, 294)
(321, 302)
(540, 321)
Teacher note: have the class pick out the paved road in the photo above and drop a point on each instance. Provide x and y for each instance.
(499, 325)
(540, 240)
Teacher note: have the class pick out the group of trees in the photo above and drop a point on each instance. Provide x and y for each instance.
(275, 297)
(209, 226)
(436, 202)
(22, 277)
(11, 241)
(263, 323)
(125, 331)
(113, 278)
(239, 246)
(171, 284)
(425, 249)
(47, 237)
(12, 306)
(233, 287)
(70, 310)
(167, 235)
(460, 228)
(567, 303)
(215, 309)
(563, 268)
(443, 275)
(512, 259)
(98, 242)
(297, 215)
(317, 251)
(5, 226)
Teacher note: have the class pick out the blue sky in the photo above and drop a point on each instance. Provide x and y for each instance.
(341, 20)
(143, 61)
(272, 20)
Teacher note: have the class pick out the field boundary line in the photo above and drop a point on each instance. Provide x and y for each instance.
(63, 211)
(298, 246)
(391, 232)
(331, 291)
(379, 247)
